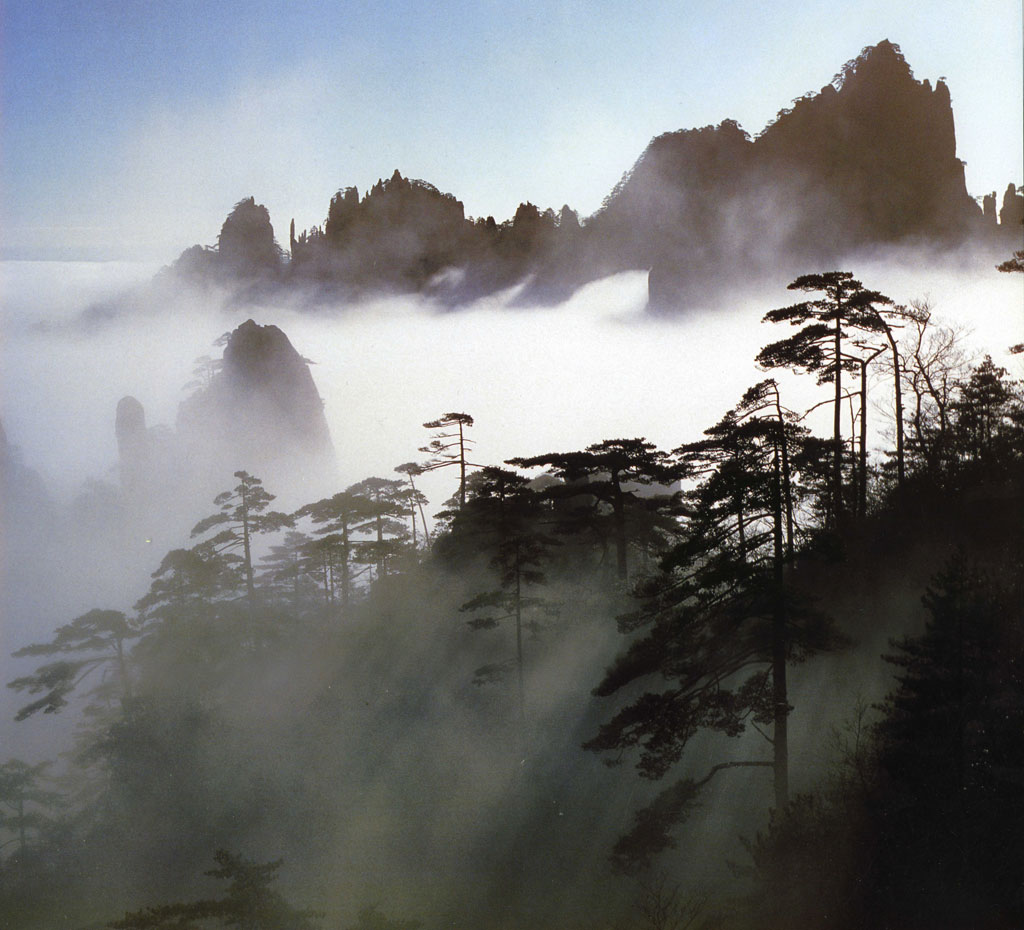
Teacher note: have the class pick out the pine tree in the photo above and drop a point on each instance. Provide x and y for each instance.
(821, 346)
(243, 515)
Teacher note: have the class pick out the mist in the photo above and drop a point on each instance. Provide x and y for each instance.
(380, 772)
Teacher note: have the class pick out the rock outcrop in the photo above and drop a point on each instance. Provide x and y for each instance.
(869, 161)
(133, 446)
(260, 412)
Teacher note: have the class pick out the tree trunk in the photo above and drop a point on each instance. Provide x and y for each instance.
(345, 581)
(787, 487)
(780, 697)
(519, 641)
(250, 586)
(898, 391)
(862, 477)
(462, 469)
(837, 425)
(619, 508)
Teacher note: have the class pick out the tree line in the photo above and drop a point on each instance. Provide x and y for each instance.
(699, 553)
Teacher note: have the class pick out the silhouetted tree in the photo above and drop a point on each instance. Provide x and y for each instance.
(819, 347)
(932, 364)
(1016, 263)
(339, 519)
(412, 470)
(249, 903)
(502, 522)
(243, 514)
(96, 640)
(720, 623)
(951, 752)
(984, 412)
(607, 473)
(287, 566)
(25, 805)
(449, 446)
(190, 581)
(386, 503)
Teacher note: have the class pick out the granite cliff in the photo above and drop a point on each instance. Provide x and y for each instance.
(869, 161)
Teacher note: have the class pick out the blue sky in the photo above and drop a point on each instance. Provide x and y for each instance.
(128, 129)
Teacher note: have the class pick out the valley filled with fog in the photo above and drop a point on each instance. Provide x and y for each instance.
(536, 380)
(513, 467)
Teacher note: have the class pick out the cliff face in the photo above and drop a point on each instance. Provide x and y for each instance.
(261, 412)
(880, 151)
(871, 160)
(246, 250)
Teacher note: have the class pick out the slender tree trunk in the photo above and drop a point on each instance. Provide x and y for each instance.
(780, 697)
(519, 640)
(619, 508)
(862, 477)
(345, 581)
(426, 530)
(462, 469)
(381, 569)
(741, 528)
(862, 485)
(898, 394)
(250, 585)
(837, 425)
(787, 487)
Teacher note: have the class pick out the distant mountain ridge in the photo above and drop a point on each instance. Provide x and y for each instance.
(869, 160)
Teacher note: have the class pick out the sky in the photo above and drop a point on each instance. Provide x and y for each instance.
(128, 129)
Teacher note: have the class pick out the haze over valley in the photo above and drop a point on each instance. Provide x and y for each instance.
(654, 564)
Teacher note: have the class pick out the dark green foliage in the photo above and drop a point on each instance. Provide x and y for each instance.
(1015, 263)
(599, 488)
(249, 903)
(503, 522)
(718, 623)
(823, 345)
(243, 514)
(951, 757)
(922, 827)
(371, 918)
(96, 640)
(237, 711)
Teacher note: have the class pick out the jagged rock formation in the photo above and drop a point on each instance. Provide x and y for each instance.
(246, 245)
(406, 236)
(870, 160)
(260, 412)
(246, 249)
(1012, 213)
